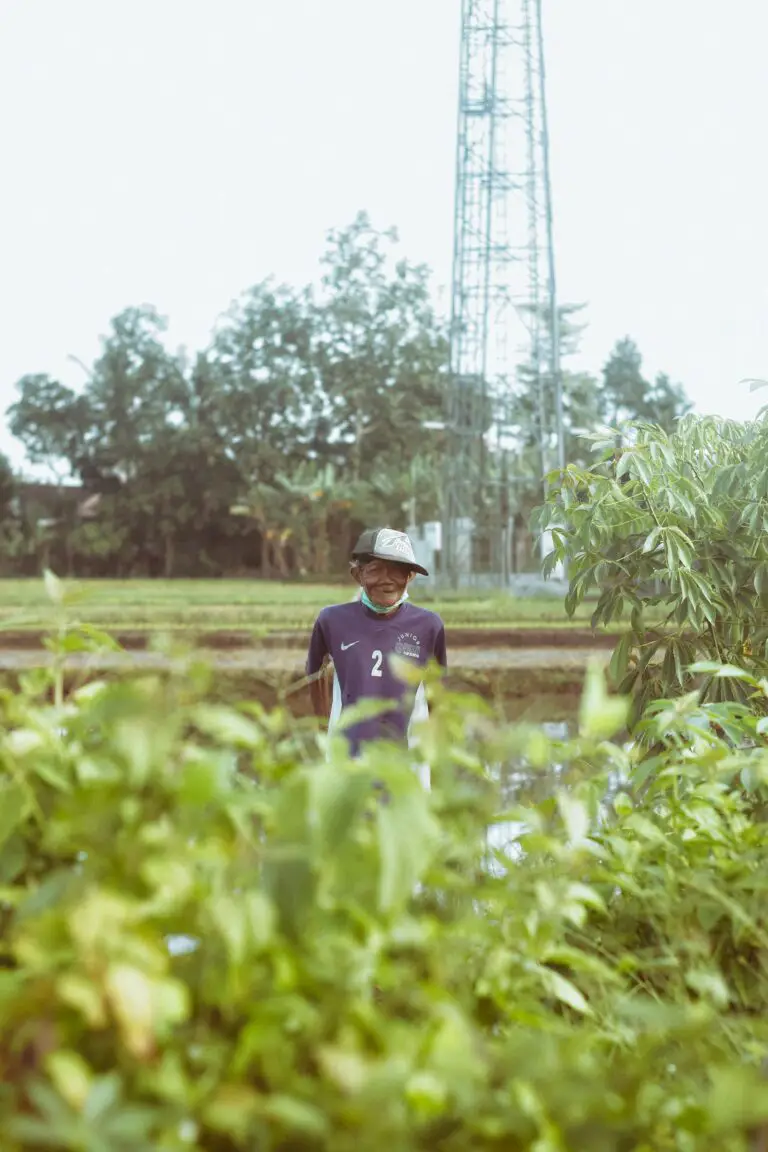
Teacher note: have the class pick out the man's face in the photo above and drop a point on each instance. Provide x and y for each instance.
(385, 581)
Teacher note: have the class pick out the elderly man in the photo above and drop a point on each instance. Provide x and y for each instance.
(359, 638)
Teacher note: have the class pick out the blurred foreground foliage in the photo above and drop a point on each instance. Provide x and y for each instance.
(214, 937)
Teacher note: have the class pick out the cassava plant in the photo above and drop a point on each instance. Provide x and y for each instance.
(671, 532)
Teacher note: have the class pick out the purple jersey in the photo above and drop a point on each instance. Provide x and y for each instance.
(360, 642)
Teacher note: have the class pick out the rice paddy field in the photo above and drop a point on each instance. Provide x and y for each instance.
(523, 653)
(256, 607)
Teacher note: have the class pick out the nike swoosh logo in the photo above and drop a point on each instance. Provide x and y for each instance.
(345, 646)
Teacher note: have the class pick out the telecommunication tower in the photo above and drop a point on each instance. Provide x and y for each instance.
(503, 308)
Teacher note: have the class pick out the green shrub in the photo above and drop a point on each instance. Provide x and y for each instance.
(213, 938)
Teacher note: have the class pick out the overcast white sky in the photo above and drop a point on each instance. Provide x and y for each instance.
(176, 151)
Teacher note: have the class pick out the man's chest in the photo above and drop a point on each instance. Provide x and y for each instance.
(368, 656)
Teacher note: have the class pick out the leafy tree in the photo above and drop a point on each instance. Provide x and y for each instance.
(667, 402)
(12, 543)
(155, 451)
(581, 412)
(299, 392)
(9, 487)
(622, 395)
(364, 380)
(296, 394)
(626, 395)
(536, 454)
(536, 388)
(265, 397)
(380, 352)
(624, 387)
(144, 435)
(136, 393)
(582, 403)
(52, 422)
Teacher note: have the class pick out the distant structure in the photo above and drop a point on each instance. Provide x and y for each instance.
(504, 304)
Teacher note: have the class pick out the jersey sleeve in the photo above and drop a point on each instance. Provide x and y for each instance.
(318, 647)
(440, 652)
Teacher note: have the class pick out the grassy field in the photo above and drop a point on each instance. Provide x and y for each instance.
(259, 607)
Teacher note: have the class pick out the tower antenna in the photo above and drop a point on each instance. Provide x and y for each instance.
(502, 314)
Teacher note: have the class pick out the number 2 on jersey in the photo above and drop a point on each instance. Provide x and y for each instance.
(377, 659)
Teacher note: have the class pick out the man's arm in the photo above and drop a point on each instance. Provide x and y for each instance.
(320, 692)
(317, 672)
(441, 652)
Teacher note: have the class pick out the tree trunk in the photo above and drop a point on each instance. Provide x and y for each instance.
(357, 448)
(264, 554)
(68, 553)
(320, 545)
(169, 556)
(282, 564)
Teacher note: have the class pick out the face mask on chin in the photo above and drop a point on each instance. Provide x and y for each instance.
(379, 609)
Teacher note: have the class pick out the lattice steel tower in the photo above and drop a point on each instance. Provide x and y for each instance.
(503, 310)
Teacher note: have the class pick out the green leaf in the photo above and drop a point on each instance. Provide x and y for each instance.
(620, 659)
(54, 589)
(580, 961)
(710, 985)
(13, 808)
(407, 834)
(737, 1101)
(365, 709)
(232, 1110)
(228, 725)
(652, 540)
(103, 1096)
(575, 817)
(731, 672)
(705, 667)
(338, 796)
(600, 715)
(642, 469)
(37, 1133)
(86, 638)
(565, 991)
(230, 918)
(51, 892)
(290, 882)
(296, 1115)
(645, 828)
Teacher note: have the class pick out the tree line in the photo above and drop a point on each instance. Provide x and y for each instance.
(311, 412)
